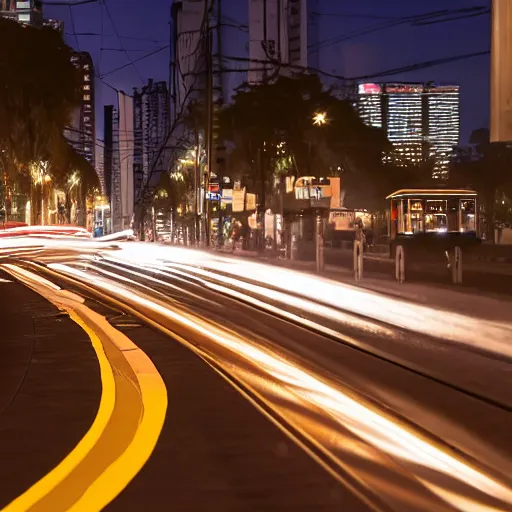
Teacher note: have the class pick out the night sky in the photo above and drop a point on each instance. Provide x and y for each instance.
(147, 21)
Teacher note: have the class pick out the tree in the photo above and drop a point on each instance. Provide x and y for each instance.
(272, 128)
(39, 89)
(485, 167)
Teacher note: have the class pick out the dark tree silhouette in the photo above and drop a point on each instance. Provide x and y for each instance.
(39, 89)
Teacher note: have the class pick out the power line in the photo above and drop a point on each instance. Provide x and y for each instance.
(63, 4)
(438, 16)
(359, 16)
(132, 62)
(99, 34)
(389, 72)
(107, 10)
(73, 24)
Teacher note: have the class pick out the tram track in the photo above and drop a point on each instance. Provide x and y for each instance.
(148, 285)
(298, 318)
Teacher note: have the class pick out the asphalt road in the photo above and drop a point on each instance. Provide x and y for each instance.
(317, 409)
(215, 450)
(456, 392)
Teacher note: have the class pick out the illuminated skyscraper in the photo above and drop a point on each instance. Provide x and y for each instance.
(151, 126)
(26, 11)
(421, 121)
(81, 134)
(443, 124)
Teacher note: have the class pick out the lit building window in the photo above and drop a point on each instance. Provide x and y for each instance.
(87, 87)
(87, 97)
(24, 18)
(87, 78)
(22, 5)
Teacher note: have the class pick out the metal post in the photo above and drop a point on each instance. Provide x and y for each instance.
(153, 223)
(196, 189)
(400, 264)
(320, 263)
(456, 265)
(294, 247)
(209, 103)
(358, 260)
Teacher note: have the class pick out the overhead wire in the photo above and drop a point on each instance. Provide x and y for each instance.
(433, 16)
(132, 62)
(107, 11)
(72, 19)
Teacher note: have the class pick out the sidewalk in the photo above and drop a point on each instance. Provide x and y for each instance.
(50, 387)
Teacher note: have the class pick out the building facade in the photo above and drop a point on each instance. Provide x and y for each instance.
(81, 134)
(501, 72)
(284, 31)
(422, 121)
(151, 118)
(29, 12)
(188, 52)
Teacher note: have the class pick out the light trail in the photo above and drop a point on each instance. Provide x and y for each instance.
(411, 450)
(303, 291)
(486, 335)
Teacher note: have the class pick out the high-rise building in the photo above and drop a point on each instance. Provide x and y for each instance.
(23, 11)
(109, 149)
(268, 37)
(151, 118)
(188, 63)
(285, 31)
(57, 25)
(443, 124)
(421, 121)
(81, 134)
(118, 161)
(501, 72)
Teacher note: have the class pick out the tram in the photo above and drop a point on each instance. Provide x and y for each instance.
(433, 225)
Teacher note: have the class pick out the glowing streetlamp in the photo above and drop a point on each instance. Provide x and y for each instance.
(320, 118)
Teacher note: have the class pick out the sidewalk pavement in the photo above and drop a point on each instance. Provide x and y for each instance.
(50, 387)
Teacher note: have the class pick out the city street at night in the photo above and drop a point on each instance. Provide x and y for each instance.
(255, 256)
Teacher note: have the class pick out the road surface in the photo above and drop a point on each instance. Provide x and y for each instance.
(289, 402)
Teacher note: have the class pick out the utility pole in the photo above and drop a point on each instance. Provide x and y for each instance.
(209, 124)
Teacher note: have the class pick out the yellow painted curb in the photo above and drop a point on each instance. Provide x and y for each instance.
(125, 431)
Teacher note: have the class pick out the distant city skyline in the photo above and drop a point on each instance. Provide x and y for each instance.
(344, 47)
(422, 121)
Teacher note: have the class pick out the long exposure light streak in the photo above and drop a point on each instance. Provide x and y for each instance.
(390, 436)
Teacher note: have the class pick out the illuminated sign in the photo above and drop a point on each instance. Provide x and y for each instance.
(370, 89)
(213, 197)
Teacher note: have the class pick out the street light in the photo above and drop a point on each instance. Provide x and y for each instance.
(320, 118)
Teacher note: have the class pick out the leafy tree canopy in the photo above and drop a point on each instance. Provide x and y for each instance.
(280, 115)
(39, 89)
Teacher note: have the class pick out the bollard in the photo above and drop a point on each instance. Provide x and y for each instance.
(400, 264)
(294, 247)
(320, 261)
(358, 260)
(456, 264)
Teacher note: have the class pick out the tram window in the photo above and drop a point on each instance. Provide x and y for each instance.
(436, 222)
(468, 217)
(435, 206)
(417, 222)
(453, 214)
